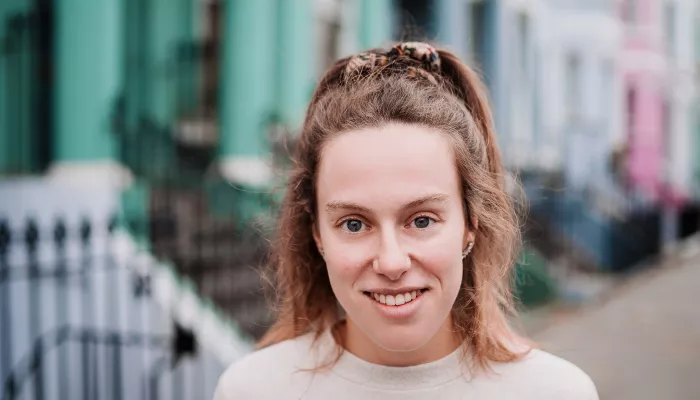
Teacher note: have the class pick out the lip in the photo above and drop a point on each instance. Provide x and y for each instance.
(403, 311)
(394, 292)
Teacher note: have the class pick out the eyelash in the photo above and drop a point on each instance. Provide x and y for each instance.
(432, 220)
(343, 221)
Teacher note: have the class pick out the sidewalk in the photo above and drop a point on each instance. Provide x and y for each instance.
(644, 341)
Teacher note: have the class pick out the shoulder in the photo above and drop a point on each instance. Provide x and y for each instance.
(271, 372)
(544, 376)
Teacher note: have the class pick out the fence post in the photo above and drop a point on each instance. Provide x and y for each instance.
(89, 372)
(59, 236)
(31, 238)
(116, 294)
(5, 309)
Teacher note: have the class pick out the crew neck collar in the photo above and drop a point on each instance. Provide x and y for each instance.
(422, 376)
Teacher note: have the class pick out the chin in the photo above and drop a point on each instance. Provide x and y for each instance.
(400, 338)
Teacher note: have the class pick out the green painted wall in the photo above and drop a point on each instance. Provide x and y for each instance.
(376, 23)
(294, 60)
(88, 74)
(247, 80)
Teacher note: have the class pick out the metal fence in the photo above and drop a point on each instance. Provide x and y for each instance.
(77, 323)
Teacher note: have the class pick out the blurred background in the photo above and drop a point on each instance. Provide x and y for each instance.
(143, 144)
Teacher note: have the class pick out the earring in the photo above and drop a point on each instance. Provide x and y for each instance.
(323, 254)
(468, 250)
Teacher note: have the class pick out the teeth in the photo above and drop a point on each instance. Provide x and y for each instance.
(397, 300)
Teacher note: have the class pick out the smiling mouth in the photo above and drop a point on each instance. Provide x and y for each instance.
(395, 300)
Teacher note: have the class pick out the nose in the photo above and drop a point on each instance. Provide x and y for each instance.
(391, 261)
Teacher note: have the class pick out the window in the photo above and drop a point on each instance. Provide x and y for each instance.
(629, 11)
(670, 28)
(523, 41)
(414, 20)
(631, 110)
(573, 87)
(328, 32)
(476, 15)
(607, 80)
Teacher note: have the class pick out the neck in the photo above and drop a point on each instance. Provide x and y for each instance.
(443, 343)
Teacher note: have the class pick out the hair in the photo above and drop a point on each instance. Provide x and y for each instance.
(454, 102)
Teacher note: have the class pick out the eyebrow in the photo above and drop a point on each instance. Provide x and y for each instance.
(432, 198)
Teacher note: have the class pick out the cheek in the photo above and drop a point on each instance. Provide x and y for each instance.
(444, 265)
(345, 259)
(442, 258)
(343, 270)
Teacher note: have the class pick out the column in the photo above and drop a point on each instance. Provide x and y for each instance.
(247, 88)
(376, 23)
(88, 71)
(295, 61)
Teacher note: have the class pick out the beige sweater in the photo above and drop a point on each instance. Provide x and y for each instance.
(273, 373)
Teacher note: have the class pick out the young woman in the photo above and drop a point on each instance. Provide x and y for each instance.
(394, 248)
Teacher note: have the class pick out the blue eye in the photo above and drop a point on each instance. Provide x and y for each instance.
(422, 222)
(353, 225)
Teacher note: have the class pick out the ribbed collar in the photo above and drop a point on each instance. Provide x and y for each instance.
(423, 376)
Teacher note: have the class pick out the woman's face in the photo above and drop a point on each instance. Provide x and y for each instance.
(392, 228)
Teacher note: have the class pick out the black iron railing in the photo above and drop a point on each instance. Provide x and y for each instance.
(76, 322)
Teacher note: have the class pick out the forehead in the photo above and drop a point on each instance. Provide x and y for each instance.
(379, 166)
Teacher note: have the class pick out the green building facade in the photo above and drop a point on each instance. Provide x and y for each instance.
(102, 67)
(153, 91)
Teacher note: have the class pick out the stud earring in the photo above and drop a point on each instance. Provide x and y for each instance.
(468, 250)
(323, 255)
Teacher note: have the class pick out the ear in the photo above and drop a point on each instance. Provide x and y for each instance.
(470, 230)
(317, 236)
(474, 222)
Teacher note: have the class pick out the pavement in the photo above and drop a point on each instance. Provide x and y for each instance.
(641, 341)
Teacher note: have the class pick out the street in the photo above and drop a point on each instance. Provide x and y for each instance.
(643, 342)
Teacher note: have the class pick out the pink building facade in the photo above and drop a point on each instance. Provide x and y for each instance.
(656, 98)
(643, 64)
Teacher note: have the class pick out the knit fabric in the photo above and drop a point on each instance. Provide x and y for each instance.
(277, 372)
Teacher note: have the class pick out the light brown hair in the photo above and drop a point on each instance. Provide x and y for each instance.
(455, 103)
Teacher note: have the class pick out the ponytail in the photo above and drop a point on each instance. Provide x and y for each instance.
(472, 89)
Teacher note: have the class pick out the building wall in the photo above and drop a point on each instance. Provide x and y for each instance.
(680, 47)
(695, 115)
(578, 80)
